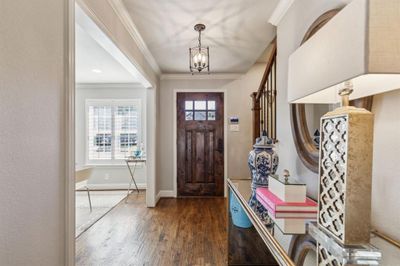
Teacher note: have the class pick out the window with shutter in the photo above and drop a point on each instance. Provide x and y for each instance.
(113, 130)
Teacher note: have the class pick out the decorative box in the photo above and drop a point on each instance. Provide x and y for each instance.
(287, 189)
(345, 174)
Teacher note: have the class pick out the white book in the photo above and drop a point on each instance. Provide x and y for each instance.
(290, 225)
(287, 190)
(296, 215)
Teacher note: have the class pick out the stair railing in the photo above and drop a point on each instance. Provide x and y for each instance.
(264, 99)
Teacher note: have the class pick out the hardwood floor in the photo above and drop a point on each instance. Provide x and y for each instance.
(176, 232)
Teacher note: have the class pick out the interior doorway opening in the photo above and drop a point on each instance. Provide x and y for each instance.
(114, 111)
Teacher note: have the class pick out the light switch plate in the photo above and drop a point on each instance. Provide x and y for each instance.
(234, 128)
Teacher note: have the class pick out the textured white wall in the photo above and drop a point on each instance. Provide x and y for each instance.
(32, 138)
(385, 200)
(107, 176)
(239, 104)
(386, 164)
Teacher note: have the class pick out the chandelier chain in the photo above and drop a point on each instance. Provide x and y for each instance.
(199, 39)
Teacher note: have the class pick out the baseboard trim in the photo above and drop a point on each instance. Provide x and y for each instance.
(164, 194)
(115, 186)
(158, 196)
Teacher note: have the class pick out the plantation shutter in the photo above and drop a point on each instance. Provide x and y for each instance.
(100, 132)
(126, 129)
(113, 129)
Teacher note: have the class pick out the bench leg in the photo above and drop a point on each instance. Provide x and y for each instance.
(90, 201)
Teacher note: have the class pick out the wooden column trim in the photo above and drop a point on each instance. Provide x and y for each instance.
(255, 110)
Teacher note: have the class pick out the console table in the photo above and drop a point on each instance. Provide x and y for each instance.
(259, 245)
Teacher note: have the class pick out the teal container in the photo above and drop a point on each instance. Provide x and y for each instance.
(239, 216)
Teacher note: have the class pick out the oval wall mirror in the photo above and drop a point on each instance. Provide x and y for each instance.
(303, 250)
(305, 118)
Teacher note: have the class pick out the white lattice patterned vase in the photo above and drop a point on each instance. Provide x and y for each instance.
(345, 175)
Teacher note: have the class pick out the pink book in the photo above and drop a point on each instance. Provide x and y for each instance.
(291, 215)
(276, 205)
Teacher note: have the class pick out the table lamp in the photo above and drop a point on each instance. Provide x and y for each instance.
(361, 43)
(356, 54)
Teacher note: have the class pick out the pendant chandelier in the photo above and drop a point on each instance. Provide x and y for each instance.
(199, 57)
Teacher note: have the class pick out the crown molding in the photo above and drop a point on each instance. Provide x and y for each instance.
(87, 18)
(108, 85)
(126, 20)
(280, 11)
(228, 76)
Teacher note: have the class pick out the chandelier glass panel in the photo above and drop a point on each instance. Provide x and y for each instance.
(199, 57)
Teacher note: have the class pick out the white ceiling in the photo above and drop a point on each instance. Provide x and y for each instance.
(90, 55)
(237, 31)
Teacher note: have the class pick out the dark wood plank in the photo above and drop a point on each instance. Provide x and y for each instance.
(176, 232)
(199, 155)
(189, 161)
(210, 157)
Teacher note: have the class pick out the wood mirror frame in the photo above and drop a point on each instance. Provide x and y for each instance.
(299, 247)
(305, 147)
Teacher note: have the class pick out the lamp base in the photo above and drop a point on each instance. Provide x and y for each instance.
(346, 174)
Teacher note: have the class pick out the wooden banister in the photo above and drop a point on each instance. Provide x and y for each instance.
(264, 99)
(268, 68)
(256, 108)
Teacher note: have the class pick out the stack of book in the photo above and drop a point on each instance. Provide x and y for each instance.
(287, 204)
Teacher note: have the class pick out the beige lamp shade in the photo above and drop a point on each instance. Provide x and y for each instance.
(361, 43)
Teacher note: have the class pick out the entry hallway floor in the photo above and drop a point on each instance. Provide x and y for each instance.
(177, 232)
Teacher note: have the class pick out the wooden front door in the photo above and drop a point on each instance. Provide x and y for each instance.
(200, 141)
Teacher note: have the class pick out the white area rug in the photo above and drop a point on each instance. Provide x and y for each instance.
(102, 202)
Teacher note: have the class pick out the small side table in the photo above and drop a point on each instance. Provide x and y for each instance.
(134, 161)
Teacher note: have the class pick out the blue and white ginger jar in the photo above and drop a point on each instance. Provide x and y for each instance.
(263, 161)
